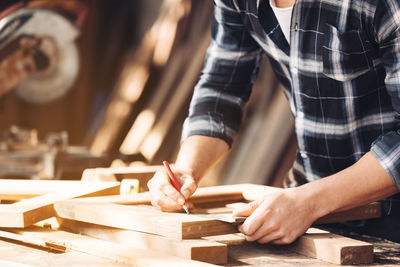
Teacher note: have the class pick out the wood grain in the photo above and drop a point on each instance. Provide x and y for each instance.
(194, 249)
(116, 252)
(145, 219)
(29, 211)
(333, 248)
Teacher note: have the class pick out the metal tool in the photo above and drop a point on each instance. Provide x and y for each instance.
(225, 217)
(38, 54)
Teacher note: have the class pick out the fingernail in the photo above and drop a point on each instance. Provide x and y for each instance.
(181, 201)
(186, 193)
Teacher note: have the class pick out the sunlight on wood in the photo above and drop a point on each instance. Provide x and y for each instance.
(138, 132)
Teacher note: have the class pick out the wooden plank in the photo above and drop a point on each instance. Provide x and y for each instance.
(240, 192)
(333, 248)
(105, 249)
(194, 249)
(319, 244)
(30, 240)
(142, 173)
(30, 211)
(144, 218)
(17, 189)
(15, 254)
(212, 194)
(372, 210)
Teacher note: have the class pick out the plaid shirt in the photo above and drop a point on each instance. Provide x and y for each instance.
(341, 73)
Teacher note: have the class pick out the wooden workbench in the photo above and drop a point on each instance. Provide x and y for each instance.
(251, 254)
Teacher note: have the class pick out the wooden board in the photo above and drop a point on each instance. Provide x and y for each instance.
(148, 219)
(30, 211)
(145, 219)
(115, 252)
(224, 194)
(194, 249)
(18, 189)
(15, 254)
(318, 244)
(333, 248)
(142, 173)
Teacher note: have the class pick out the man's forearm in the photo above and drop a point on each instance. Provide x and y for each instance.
(364, 182)
(198, 153)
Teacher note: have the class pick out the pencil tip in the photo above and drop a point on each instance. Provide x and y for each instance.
(186, 209)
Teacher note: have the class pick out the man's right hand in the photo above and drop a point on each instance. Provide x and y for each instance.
(165, 196)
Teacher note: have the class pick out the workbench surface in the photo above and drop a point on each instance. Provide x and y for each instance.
(14, 254)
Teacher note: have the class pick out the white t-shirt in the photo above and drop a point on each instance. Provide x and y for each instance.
(283, 15)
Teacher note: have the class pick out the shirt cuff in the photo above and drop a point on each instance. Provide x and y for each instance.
(207, 125)
(386, 149)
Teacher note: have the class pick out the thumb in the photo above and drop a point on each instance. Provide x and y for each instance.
(246, 210)
(189, 186)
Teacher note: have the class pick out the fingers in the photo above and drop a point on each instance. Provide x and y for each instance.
(257, 224)
(277, 219)
(246, 210)
(165, 196)
(188, 187)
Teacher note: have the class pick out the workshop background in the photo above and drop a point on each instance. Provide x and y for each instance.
(139, 61)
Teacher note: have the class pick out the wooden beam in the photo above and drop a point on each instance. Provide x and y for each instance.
(242, 192)
(194, 249)
(31, 241)
(17, 189)
(142, 173)
(333, 248)
(105, 249)
(319, 244)
(372, 210)
(30, 211)
(143, 218)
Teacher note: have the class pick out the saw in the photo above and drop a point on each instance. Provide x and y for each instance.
(39, 58)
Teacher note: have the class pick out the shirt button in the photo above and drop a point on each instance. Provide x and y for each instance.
(300, 114)
(303, 155)
(294, 70)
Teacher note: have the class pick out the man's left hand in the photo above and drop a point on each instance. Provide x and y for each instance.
(278, 218)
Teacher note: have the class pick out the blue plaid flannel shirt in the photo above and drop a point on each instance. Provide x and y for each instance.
(341, 73)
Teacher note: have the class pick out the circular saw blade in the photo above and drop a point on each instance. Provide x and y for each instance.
(45, 86)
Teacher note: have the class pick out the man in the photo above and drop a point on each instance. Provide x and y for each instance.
(340, 64)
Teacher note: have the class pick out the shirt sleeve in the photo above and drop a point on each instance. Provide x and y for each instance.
(225, 83)
(386, 148)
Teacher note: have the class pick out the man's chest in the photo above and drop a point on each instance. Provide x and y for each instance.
(330, 37)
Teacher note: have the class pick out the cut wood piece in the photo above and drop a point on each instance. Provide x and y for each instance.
(194, 249)
(233, 193)
(17, 189)
(144, 218)
(333, 248)
(30, 211)
(228, 239)
(142, 173)
(317, 244)
(213, 194)
(31, 241)
(105, 249)
(372, 210)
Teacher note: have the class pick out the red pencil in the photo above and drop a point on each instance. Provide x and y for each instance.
(174, 182)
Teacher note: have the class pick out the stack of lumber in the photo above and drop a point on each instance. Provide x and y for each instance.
(127, 229)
